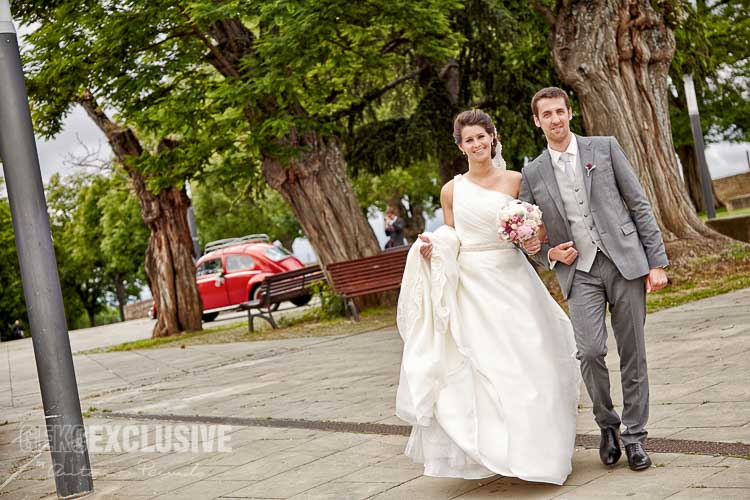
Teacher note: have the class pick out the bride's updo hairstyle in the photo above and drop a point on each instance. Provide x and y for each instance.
(474, 117)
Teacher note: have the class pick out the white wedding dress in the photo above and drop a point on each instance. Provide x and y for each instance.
(489, 378)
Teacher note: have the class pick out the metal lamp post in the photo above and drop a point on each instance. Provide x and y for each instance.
(41, 283)
(192, 225)
(695, 125)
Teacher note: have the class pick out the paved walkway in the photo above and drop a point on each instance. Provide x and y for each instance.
(278, 397)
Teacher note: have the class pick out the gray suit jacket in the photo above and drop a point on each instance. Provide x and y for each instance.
(619, 206)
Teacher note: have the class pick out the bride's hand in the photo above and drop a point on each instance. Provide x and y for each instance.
(426, 248)
(532, 245)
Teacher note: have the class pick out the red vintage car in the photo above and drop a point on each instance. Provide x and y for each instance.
(231, 271)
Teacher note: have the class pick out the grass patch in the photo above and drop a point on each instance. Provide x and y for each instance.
(723, 212)
(679, 295)
(693, 276)
(292, 325)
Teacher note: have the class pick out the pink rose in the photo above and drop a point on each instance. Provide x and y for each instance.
(524, 232)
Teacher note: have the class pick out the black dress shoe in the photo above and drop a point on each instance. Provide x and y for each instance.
(638, 459)
(609, 447)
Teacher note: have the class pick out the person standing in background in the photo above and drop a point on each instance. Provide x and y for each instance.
(394, 229)
(17, 330)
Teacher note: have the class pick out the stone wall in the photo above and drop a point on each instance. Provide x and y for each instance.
(735, 227)
(138, 309)
(731, 187)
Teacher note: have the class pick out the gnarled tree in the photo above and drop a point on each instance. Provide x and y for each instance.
(71, 60)
(169, 257)
(616, 55)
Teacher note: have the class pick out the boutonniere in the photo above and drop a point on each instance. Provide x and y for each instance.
(589, 168)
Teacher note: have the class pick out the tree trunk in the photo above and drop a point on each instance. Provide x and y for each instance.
(615, 54)
(451, 167)
(169, 258)
(317, 187)
(315, 184)
(692, 179)
(121, 299)
(452, 162)
(169, 261)
(415, 223)
(92, 318)
(414, 220)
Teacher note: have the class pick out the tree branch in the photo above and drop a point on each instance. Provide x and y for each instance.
(393, 44)
(218, 60)
(371, 96)
(544, 11)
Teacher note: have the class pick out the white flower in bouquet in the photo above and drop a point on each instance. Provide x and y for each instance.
(518, 221)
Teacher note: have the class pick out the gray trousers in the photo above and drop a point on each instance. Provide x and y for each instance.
(589, 295)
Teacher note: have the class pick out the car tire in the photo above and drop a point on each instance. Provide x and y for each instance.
(301, 301)
(255, 295)
(207, 317)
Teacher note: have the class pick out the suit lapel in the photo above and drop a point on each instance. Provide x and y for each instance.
(587, 157)
(548, 175)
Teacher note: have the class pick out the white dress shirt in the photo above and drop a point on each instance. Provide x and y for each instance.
(572, 150)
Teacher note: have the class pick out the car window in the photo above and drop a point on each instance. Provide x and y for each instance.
(238, 262)
(276, 253)
(212, 266)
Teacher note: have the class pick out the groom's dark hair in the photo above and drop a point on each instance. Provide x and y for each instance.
(548, 93)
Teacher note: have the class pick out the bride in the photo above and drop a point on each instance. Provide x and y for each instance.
(489, 379)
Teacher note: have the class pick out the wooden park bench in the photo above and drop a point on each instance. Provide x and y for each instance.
(279, 288)
(374, 274)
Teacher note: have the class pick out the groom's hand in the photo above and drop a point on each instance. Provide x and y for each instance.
(564, 252)
(532, 245)
(656, 280)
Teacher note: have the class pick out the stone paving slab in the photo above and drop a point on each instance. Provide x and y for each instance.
(699, 363)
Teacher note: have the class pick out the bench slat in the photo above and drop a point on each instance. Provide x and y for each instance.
(377, 273)
(289, 285)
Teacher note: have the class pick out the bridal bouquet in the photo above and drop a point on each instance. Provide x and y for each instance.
(518, 221)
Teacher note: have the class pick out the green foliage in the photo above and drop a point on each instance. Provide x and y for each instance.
(507, 61)
(503, 60)
(100, 243)
(712, 46)
(288, 68)
(12, 305)
(107, 315)
(124, 236)
(419, 184)
(331, 305)
(228, 210)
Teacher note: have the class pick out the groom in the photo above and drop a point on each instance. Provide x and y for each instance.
(605, 245)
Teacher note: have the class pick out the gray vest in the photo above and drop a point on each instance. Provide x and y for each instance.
(585, 235)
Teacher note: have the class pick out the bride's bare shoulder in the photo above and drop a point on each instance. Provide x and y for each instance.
(446, 192)
(447, 189)
(513, 175)
(513, 180)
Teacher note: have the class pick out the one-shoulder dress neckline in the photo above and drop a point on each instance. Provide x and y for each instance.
(463, 177)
